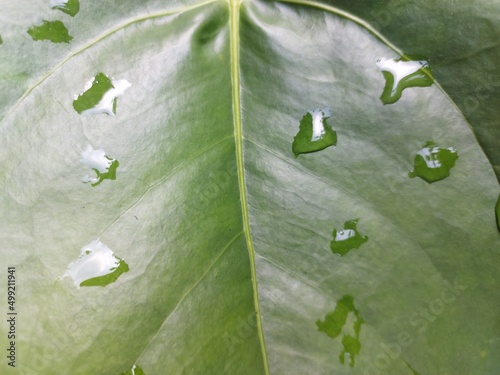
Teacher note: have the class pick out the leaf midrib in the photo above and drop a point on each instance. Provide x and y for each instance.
(234, 14)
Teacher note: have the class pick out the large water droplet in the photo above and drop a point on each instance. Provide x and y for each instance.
(497, 212)
(334, 323)
(135, 370)
(99, 95)
(55, 31)
(401, 74)
(70, 7)
(347, 239)
(433, 163)
(96, 266)
(314, 133)
(104, 166)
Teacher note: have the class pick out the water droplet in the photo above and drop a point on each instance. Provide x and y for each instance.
(99, 95)
(104, 166)
(433, 163)
(334, 323)
(415, 372)
(135, 370)
(55, 31)
(96, 266)
(70, 7)
(401, 74)
(314, 133)
(497, 212)
(347, 239)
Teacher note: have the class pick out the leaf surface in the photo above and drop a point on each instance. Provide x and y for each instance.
(225, 232)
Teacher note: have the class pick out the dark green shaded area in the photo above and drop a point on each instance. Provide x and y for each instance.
(336, 320)
(497, 212)
(109, 175)
(55, 31)
(303, 142)
(90, 98)
(433, 163)
(107, 279)
(135, 370)
(353, 239)
(421, 78)
(1, 41)
(72, 7)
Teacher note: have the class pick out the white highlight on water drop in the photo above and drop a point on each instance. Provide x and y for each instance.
(95, 159)
(400, 69)
(58, 3)
(318, 127)
(96, 259)
(345, 234)
(106, 103)
(431, 157)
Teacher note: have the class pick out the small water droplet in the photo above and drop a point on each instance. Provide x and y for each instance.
(99, 95)
(401, 74)
(334, 323)
(497, 212)
(433, 163)
(315, 133)
(96, 266)
(70, 7)
(55, 31)
(135, 370)
(414, 372)
(347, 239)
(104, 166)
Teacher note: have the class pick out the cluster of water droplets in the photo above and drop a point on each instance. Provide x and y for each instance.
(56, 31)
(431, 163)
(97, 265)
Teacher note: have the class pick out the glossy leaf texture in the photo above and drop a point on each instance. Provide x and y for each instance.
(226, 234)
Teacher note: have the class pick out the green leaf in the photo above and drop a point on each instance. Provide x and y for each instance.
(226, 235)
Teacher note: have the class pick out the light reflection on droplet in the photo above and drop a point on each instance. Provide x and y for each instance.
(314, 132)
(433, 163)
(99, 95)
(401, 74)
(347, 239)
(104, 166)
(96, 266)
